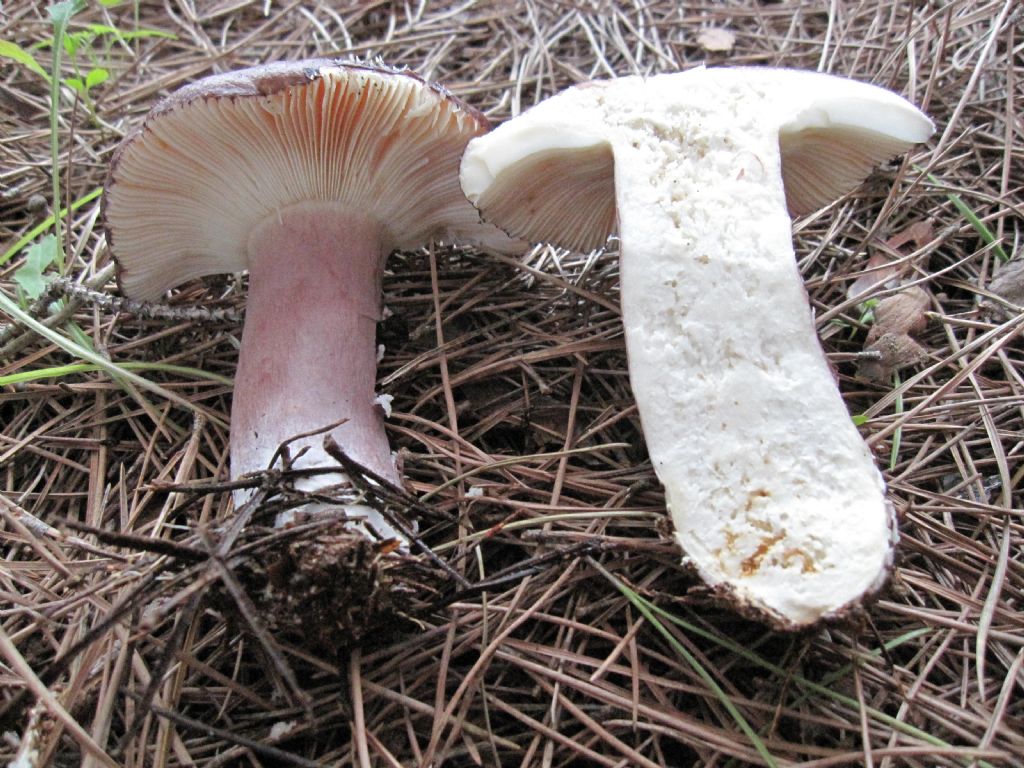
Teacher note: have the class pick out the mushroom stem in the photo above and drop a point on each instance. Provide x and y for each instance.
(309, 355)
(722, 346)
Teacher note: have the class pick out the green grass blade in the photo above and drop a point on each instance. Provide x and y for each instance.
(645, 608)
(847, 669)
(91, 356)
(60, 371)
(44, 225)
(980, 226)
(802, 682)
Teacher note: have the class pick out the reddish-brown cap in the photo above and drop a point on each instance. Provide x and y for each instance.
(223, 154)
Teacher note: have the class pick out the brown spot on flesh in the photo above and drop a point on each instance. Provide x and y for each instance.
(807, 566)
(752, 564)
(754, 496)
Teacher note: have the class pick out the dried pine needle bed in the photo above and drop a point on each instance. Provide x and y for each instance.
(555, 624)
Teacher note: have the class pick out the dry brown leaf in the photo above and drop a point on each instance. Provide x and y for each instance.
(917, 234)
(882, 270)
(1008, 283)
(903, 313)
(895, 352)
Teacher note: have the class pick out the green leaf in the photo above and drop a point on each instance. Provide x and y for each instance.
(61, 13)
(76, 84)
(867, 309)
(859, 419)
(44, 225)
(72, 43)
(38, 258)
(9, 50)
(107, 30)
(96, 76)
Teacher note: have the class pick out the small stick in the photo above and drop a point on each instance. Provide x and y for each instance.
(357, 474)
(259, 747)
(141, 543)
(358, 715)
(251, 616)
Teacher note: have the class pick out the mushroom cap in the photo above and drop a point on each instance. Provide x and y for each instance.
(221, 155)
(549, 175)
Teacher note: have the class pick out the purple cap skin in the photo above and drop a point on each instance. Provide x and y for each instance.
(272, 78)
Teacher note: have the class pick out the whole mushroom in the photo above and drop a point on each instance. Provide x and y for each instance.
(774, 496)
(307, 174)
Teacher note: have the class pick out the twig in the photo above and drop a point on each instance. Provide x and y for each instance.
(141, 543)
(231, 737)
(358, 474)
(34, 684)
(251, 616)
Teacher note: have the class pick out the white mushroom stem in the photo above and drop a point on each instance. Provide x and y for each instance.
(772, 490)
(308, 356)
(775, 498)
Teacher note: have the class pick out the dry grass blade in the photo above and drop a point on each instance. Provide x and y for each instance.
(141, 633)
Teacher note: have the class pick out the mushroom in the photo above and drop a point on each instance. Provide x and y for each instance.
(307, 174)
(774, 496)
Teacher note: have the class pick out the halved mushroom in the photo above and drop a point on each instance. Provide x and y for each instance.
(775, 497)
(307, 174)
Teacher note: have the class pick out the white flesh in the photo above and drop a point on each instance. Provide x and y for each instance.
(772, 490)
(774, 496)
